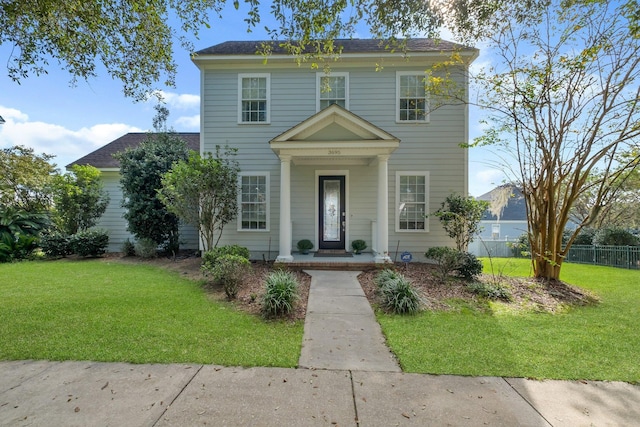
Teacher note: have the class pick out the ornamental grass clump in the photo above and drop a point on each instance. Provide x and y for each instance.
(397, 293)
(281, 293)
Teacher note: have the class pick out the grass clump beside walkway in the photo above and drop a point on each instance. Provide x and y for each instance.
(595, 342)
(107, 311)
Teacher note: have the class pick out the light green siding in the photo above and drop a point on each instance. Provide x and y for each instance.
(433, 147)
(116, 225)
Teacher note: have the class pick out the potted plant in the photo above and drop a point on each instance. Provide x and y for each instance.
(358, 246)
(304, 246)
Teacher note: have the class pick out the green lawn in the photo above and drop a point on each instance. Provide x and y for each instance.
(598, 342)
(107, 311)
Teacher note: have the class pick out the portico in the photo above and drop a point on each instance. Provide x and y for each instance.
(334, 140)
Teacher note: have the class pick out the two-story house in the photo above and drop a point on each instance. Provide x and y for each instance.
(356, 153)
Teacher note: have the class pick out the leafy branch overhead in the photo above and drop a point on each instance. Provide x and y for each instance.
(134, 40)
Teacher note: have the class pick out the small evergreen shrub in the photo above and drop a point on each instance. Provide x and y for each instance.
(229, 270)
(281, 293)
(212, 255)
(128, 248)
(14, 248)
(358, 246)
(447, 259)
(146, 248)
(493, 291)
(469, 266)
(90, 243)
(399, 296)
(56, 245)
(305, 245)
(585, 237)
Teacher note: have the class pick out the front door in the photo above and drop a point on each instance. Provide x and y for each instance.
(332, 212)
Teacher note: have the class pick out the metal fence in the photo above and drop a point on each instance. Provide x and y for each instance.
(612, 256)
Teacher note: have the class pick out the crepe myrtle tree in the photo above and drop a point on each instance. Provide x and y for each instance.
(563, 100)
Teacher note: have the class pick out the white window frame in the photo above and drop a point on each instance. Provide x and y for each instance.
(399, 75)
(398, 206)
(239, 221)
(319, 92)
(266, 76)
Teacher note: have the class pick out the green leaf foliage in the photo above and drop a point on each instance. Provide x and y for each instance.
(202, 191)
(135, 40)
(460, 217)
(280, 294)
(26, 177)
(79, 199)
(141, 171)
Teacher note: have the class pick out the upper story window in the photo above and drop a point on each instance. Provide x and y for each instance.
(254, 93)
(412, 201)
(411, 98)
(332, 89)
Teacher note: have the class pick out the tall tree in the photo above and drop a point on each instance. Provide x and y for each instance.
(564, 102)
(25, 179)
(134, 40)
(203, 191)
(79, 199)
(141, 171)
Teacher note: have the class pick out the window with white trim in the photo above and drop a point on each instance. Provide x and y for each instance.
(332, 89)
(411, 97)
(412, 201)
(254, 93)
(253, 201)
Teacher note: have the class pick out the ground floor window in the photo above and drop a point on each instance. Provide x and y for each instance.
(412, 200)
(254, 202)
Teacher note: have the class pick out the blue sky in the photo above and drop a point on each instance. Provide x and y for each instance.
(45, 113)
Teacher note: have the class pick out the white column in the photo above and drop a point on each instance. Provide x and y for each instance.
(285, 210)
(383, 210)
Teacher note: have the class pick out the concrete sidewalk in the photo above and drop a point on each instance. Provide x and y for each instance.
(117, 394)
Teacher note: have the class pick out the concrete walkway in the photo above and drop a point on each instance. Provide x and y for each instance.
(340, 328)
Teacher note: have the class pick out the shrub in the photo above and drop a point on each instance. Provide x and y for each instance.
(358, 246)
(281, 293)
(585, 237)
(492, 291)
(469, 266)
(521, 247)
(16, 248)
(614, 237)
(399, 296)
(90, 243)
(211, 256)
(56, 245)
(305, 245)
(146, 248)
(229, 270)
(447, 259)
(128, 248)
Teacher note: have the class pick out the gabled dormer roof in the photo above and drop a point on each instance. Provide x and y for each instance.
(334, 135)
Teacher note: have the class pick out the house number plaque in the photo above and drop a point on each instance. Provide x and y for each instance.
(334, 152)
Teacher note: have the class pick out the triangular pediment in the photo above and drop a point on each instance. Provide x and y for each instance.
(334, 123)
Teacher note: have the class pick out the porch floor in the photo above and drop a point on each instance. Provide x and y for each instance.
(363, 261)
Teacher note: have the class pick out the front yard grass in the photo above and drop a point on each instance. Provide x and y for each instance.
(108, 311)
(594, 342)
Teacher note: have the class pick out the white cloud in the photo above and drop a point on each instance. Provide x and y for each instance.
(66, 144)
(188, 123)
(484, 180)
(184, 101)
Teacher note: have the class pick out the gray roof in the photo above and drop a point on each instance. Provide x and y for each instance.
(348, 46)
(515, 210)
(103, 156)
